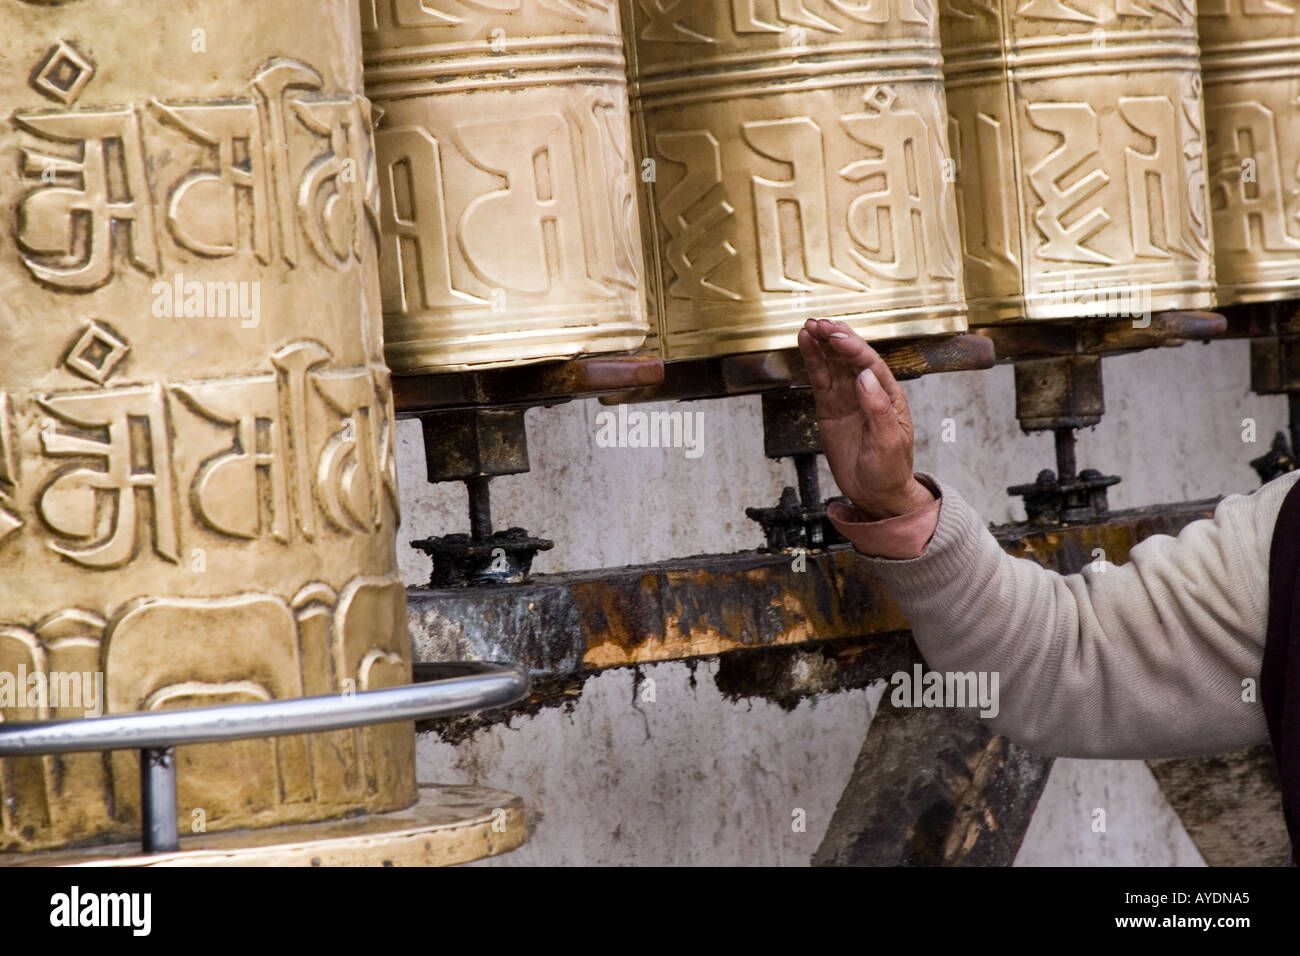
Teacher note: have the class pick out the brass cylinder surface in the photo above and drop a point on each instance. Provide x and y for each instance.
(197, 456)
(1250, 55)
(510, 230)
(1078, 127)
(795, 161)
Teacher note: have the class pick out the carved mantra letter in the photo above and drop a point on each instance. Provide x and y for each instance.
(797, 143)
(1075, 124)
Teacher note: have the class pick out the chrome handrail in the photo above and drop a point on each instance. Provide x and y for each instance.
(466, 687)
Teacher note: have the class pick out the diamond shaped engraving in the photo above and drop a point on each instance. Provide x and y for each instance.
(63, 74)
(881, 98)
(96, 354)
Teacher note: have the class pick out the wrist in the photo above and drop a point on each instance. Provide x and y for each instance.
(911, 497)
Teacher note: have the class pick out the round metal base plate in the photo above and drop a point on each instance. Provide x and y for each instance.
(447, 825)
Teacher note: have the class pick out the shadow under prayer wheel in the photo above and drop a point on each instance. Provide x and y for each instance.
(510, 230)
(1077, 125)
(197, 463)
(1250, 58)
(796, 165)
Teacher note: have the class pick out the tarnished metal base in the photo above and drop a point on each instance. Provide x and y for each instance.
(1277, 461)
(504, 557)
(1066, 500)
(446, 826)
(793, 525)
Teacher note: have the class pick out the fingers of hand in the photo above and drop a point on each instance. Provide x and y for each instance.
(856, 353)
(871, 395)
(832, 379)
(884, 433)
(819, 373)
(829, 335)
(887, 438)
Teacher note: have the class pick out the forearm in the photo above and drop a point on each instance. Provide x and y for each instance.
(1140, 660)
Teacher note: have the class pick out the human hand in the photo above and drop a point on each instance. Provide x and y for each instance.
(865, 423)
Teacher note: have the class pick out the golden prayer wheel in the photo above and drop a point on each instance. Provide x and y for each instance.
(197, 462)
(796, 161)
(1250, 55)
(1078, 129)
(508, 205)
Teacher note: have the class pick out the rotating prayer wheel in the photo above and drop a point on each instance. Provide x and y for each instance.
(510, 235)
(508, 202)
(197, 463)
(796, 165)
(1081, 158)
(1250, 54)
(1082, 193)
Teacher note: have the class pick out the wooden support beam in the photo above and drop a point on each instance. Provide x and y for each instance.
(1230, 804)
(558, 624)
(934, 787)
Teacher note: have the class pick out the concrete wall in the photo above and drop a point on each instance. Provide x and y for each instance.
(691, 777)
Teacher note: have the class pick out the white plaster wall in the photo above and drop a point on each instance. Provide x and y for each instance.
(669, 772)
(1105, 813)
(715, 781)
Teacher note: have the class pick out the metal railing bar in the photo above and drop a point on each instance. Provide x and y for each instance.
(486, 686)
(446, 690)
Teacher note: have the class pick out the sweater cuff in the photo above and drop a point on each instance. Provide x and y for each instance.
(899, 537)
(960, 541)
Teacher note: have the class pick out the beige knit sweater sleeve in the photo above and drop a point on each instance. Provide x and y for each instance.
(1156, 657)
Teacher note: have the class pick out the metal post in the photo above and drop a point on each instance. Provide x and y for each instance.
(158, 800)
(480, 508)
(1065, 459)
(809, 494)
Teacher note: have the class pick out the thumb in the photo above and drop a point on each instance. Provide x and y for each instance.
(871, 395)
